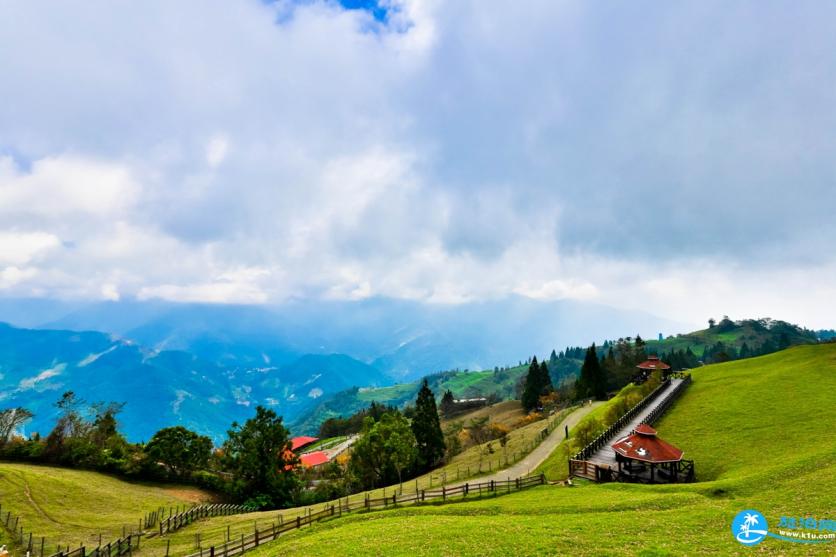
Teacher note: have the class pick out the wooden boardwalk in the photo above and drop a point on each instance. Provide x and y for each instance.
(605, 456)
(597, 460)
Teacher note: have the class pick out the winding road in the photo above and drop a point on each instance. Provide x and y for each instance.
(536, 457)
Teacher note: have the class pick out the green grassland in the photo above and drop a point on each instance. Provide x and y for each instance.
(761, 434)
(75, 506)
(471, 463)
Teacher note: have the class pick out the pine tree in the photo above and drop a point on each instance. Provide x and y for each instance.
(545, 379)
(593, 379)
(427, 429)
(533, 386)
(447, 403)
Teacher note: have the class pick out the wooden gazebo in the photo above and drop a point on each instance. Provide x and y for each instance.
(643, 456)
(651, 364)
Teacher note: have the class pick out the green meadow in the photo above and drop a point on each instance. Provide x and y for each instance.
(760, 431)
(69, 507)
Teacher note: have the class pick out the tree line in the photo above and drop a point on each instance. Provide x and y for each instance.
(254, 465)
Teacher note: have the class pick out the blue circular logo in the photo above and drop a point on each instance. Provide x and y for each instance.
(749, 527)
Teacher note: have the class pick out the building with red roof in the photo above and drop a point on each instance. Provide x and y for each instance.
(315, 458)
(301, 442)
(642, 451)
(651, 364)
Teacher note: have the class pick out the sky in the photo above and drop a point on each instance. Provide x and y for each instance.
(675, 157)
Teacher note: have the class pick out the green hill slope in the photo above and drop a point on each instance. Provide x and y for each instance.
(69, 507)
(760, 431)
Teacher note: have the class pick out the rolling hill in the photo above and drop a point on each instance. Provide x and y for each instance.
(759, 430)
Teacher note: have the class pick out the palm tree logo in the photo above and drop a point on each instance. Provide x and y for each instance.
(745, 527)
(749, 520)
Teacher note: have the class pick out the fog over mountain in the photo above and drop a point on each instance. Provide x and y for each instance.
(205, 365)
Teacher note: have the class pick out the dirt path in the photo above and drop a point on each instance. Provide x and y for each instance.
(543, 450)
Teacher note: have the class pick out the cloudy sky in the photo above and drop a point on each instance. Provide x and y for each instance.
(678, 157)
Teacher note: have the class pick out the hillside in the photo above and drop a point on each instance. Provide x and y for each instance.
(726, 340)
(71, 506)
(752, 336)
(499, 383)
(735, 421)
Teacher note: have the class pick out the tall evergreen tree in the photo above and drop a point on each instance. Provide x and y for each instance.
(447, 403)
(545, 379)
(533, 386)
(427, 429)
(593, 380)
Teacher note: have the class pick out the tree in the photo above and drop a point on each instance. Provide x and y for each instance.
(427, 429)
(533, 386)
(384, 450)
(10, 420)
(592, 381)
(545, 379)
(711, 323)
(180, 450)
(258, 455)
(448, 404)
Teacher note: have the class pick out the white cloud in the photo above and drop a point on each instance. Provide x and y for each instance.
(62, 185)
(465, 151)
(216, 150)
(18, 248)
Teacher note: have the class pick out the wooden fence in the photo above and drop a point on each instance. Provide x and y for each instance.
(258, 537)
(27, 543)
(121, 546)
(177, 521)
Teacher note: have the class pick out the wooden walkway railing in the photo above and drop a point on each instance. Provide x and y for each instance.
(258, 537)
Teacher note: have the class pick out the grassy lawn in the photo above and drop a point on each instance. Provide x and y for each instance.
(463, 466)
(760, 431)
(74, 506)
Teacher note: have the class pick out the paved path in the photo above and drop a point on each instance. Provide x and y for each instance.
(536, 457)
(333, 452)
(605, 456)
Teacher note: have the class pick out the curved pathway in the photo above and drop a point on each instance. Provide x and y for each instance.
(536, 457)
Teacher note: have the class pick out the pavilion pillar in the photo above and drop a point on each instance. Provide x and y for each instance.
(652, 471)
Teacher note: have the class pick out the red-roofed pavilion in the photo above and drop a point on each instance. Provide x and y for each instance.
(641, 449)
(651, 364)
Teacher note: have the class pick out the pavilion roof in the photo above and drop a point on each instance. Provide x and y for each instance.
(313, 459)
(643, 444)
(653, 362)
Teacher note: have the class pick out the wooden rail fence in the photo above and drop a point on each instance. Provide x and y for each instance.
(177, 521)
(258, 537)
(121, 546)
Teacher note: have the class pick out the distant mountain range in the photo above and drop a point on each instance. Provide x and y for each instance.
(204, 366)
